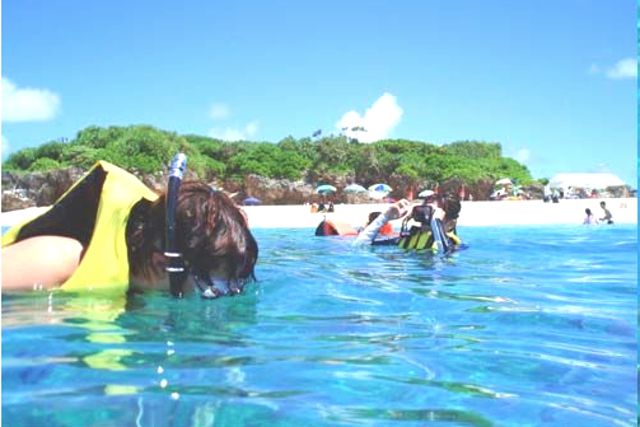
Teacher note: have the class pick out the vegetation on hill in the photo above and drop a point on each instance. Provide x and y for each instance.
(148, 150)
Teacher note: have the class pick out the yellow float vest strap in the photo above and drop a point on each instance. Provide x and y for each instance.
(454, 238)
(106, 263)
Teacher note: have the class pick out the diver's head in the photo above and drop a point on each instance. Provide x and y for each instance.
(451, 207)
(422, 213)
(212, 234)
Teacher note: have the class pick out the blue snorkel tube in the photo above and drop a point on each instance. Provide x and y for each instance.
(175, 267)
(442, 242)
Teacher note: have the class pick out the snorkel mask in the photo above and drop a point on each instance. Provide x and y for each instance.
(176, 267)
(210, 288)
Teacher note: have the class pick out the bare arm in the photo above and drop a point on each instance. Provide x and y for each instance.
(44, 260)
(395, 211)
(368, 235)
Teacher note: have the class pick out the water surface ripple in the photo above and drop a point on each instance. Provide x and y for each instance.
(528, 326)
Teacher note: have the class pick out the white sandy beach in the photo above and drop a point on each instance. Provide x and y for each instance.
(489, 213)
(523, 212)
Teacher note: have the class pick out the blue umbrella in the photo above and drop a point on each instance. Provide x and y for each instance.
(325, 189)
(251, 201)
(380, 188)
(354, 188)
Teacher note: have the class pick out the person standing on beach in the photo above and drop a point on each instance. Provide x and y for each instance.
(546, 193)
(608, 218)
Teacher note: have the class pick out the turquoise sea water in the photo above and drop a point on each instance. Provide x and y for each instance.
(529, 326)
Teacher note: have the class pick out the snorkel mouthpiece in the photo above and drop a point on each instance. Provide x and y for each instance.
(176, 267)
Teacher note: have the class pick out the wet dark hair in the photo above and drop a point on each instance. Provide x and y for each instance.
(451, 206)
(587, 211)
(212, 233)
(372, 216)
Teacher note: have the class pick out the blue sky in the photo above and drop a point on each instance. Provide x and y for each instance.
(554, 82)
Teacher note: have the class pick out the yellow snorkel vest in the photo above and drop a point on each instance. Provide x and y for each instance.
(105, 264)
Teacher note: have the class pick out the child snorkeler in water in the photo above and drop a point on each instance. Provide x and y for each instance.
(109, 232)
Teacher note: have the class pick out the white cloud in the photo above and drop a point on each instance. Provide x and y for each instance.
(523, 155)
(378, 121)
(594, 69)
(624, 69)
(27, 104)
(219, 111)
(235, 134)
(251, 128)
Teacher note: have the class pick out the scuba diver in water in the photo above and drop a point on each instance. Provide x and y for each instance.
(110, 232)
(435, 225)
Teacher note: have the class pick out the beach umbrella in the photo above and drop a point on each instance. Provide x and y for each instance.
(325, 189)
(380, 188)
(377, 195)
(424, 194)
(251, 201)
(504, 181)
(355, 188)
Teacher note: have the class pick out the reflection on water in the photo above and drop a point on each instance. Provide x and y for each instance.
(516, 330)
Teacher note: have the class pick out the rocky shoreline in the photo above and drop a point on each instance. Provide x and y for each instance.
(25, 190)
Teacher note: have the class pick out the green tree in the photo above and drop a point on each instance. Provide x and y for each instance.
(475, 149)
(21, 160)
(44, 164)
(148, 149)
